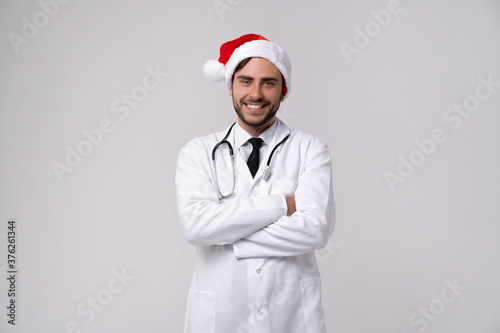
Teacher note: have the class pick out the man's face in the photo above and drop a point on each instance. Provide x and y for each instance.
(257, 92)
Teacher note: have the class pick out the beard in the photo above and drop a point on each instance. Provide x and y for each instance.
(270, 114)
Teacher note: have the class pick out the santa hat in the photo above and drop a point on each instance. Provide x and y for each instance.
(246, 46)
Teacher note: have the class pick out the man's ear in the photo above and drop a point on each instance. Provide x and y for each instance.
(231, 92)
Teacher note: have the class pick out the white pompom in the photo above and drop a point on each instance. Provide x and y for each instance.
(214, 70)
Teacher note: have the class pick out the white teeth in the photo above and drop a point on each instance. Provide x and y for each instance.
(254, 106)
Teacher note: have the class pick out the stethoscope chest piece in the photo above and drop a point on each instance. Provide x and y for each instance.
(266, 174)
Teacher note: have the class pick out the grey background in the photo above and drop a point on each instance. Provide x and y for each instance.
(391, 252)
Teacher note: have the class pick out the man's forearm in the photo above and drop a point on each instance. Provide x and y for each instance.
(290, 202)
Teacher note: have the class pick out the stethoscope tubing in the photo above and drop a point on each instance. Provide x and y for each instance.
(265, 174)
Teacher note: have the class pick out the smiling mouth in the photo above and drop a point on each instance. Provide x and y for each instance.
(255, 107)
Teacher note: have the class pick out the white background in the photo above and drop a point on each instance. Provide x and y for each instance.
(391, 252)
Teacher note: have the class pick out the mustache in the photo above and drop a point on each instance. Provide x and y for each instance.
(257, 101)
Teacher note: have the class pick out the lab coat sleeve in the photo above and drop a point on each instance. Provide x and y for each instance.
(204, 220)
(310, 227)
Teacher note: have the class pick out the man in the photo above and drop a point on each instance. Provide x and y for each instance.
(257, 222)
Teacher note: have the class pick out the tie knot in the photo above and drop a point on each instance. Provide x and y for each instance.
(256, 142)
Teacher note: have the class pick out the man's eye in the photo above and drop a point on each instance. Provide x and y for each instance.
(245, 82)
(269, 84)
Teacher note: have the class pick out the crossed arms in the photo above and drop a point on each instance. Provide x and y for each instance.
(263, 226)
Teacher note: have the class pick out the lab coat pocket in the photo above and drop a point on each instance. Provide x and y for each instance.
(285, 187)
(311, 305)
(200, 315)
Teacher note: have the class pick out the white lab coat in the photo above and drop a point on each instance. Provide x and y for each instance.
(256, 270)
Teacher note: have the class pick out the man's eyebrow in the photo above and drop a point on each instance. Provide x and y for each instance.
(245, 77)
(269, 79)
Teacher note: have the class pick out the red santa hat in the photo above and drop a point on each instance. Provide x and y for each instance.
(246, 46)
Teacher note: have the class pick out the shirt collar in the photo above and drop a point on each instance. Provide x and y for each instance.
(241, 136)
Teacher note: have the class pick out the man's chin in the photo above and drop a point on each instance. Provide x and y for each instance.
(256, 122)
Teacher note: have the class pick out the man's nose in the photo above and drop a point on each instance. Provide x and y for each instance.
(256, 92)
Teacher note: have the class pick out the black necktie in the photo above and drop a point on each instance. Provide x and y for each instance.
(253, 159)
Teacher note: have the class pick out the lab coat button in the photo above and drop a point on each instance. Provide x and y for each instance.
(258, 270)
(260, 312)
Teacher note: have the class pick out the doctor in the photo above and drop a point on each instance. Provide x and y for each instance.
(255, 232)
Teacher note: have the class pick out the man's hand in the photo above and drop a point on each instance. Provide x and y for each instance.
(290, 202)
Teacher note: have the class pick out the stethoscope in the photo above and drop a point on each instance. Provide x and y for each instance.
(265, 175)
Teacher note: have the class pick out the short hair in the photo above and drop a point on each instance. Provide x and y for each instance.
(242, 64)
